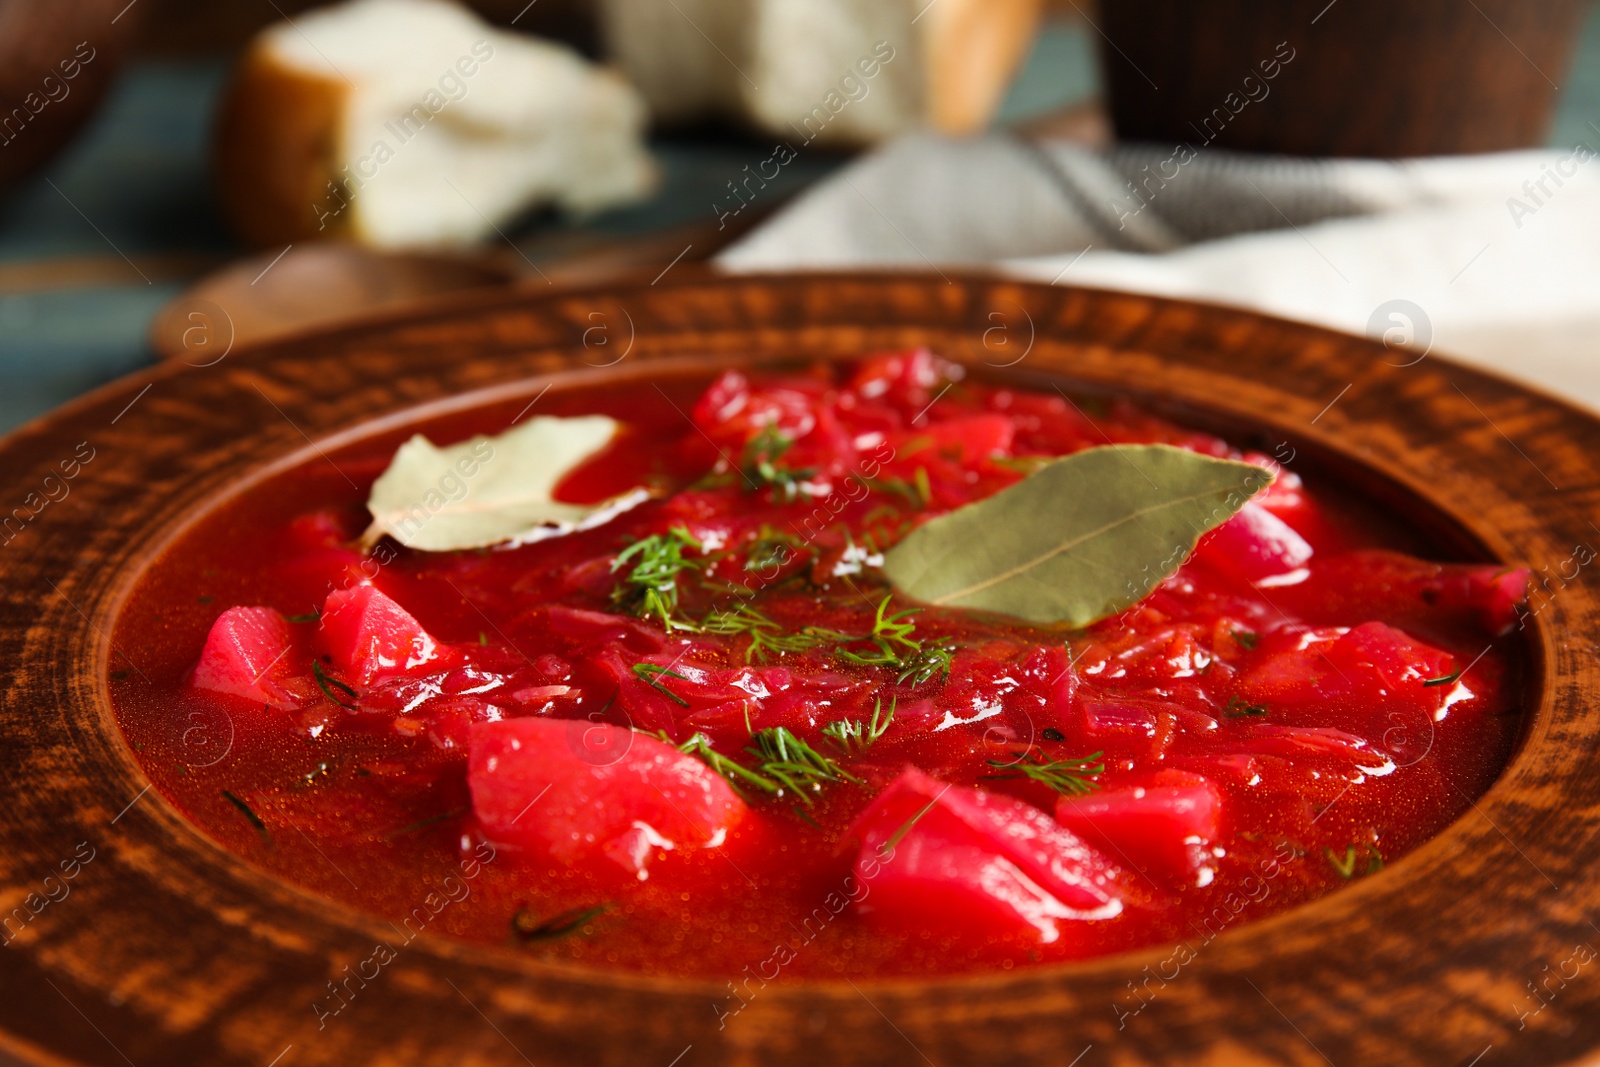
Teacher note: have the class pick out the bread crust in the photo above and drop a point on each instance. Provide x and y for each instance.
(277, 137)
(971, 51)
(954, 60)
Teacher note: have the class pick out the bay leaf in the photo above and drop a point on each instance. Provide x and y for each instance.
(1084, 537)
(490, 490)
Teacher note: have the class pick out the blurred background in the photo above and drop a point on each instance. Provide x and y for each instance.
(182, 176)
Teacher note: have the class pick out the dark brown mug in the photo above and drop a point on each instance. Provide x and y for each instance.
(1383, 78)
(56, 59)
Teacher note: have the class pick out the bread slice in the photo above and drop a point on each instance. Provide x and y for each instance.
(401, 123)
(842, 72)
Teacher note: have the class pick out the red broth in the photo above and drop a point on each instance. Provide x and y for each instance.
(1301, 703)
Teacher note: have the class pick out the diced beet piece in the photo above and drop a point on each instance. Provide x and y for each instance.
(1496, 593)
(906, 377)
(1389, 662)
(1254, 544)
(975, 436)
(1109, 720)
(594, 795)
(1373, 664)
(731, 410)
(369, 636)
(1161, 828)
(977, 863)
(248, 654)
(1292, 742)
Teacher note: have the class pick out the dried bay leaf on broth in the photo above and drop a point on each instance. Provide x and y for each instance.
(1083, 538)
(490, 490)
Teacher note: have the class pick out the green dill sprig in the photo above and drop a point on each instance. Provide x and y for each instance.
(1444, 680)
(1238, 706)
(766, 636)
(795, 765)
(890, 636)
(650, 674)
(651, 585)
(1024, 465)
(249, 814)
(854, 736)
(431, 820)
(736, 774)
(893, 643)
(771, 547)
(327, 685)
(918, 492)
(761, 469)
(1069, 777)
(529, 927)
(927, 661)
(1345, 866)
(786, 763)
(894, 646)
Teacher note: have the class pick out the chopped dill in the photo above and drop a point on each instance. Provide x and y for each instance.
(891, 637)
(918, 492)
(1238, 707)
(1050, 733)
(895, 647)
(854, 736)
(905, 827)
(314, 615)
(432, 820)
(786, 763)
(735, 773)
(927, 661)
(328, 685)
(888, 632)
(795, 765)
(650, 674)
(1247, 639)
(651, 585)
(1445, 680)
(761, 469)
(529, 927)
(766, 636)
(255, 820)
(771, 548)
(1024, 465)
(1345, 866)
(1069, 777)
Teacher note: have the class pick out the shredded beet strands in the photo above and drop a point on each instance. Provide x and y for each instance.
(768, 760)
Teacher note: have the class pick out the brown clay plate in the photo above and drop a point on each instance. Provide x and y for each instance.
(164, 949)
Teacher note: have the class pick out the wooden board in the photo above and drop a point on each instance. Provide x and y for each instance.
(164, 949)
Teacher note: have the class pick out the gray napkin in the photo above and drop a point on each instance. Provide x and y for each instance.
(1491, 258)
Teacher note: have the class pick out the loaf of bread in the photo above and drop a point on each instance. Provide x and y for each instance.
(843, 72)
(402, 123)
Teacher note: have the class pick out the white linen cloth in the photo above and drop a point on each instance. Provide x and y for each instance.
(1498, 256)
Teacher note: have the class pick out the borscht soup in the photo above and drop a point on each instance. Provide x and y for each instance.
(820, 669)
